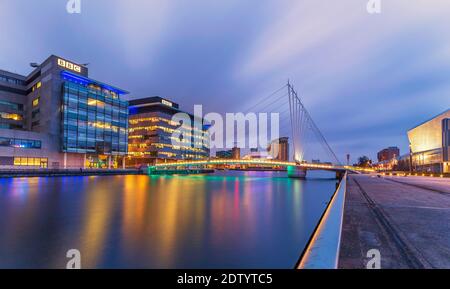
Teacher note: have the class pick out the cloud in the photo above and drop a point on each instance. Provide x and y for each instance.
(141, 28)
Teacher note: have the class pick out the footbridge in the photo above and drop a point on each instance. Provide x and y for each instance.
(310, 150)
(296, 170)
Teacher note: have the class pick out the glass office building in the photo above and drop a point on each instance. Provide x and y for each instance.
(151, 131)
(95, 120)
(430, 145)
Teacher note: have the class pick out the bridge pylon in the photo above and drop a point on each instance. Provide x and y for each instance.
(296, 172)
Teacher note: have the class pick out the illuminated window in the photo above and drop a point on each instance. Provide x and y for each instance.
(38, 85)
(12, 116)
(36, 102)
(94, 102)
(31, 162)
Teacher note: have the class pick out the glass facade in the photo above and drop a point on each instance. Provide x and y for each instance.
(151, 137)
(95, 120)
(20, 143)
(11, 115)
(430, 146)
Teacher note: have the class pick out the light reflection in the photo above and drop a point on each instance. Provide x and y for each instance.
(230, 219)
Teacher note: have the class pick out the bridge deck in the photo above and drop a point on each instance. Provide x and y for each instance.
(273, 163)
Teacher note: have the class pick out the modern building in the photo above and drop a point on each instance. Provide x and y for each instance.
(151, 130)
(279, 149)
(388, 154)
(57, 117)
(236, 153)
(430, 145)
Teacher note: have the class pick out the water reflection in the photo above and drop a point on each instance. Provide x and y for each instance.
(227, 220)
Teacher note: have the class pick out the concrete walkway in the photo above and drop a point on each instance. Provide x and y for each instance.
(406, 218)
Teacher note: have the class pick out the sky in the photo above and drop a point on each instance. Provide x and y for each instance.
(365, 78)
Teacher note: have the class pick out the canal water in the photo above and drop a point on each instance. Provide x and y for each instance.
(225, 220)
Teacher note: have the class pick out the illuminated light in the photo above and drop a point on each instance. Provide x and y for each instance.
(12, 116)
(86, 81)
(168, 103)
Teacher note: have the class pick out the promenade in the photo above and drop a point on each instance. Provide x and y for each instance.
(66, 172)
(406, 218)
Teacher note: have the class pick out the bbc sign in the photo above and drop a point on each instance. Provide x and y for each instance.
(69, 65)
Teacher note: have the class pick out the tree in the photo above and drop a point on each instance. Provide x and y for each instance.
(364, 162)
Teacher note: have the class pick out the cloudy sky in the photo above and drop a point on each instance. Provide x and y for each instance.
(365, 78)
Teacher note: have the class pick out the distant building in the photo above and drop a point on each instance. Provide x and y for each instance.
(388, 154)
(150, 134)
(256, 155)
(224, 154)
(279, 149)
(236, 153)
(430, 145)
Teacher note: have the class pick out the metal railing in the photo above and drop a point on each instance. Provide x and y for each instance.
(322, 250)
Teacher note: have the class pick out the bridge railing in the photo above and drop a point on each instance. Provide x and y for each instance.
(244, 162)
(322, 250)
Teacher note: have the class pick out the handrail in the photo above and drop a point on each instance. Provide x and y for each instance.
(322, 250)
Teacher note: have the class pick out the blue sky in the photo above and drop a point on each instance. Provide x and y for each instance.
(366, 79)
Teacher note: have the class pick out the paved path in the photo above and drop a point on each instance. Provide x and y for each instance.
(406, 218)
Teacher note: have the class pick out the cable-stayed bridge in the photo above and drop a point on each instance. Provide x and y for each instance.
(310, 149)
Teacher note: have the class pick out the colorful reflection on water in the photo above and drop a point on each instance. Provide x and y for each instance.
(225, 220)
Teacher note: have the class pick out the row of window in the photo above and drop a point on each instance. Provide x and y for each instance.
(11, 116)
(31, 162)
(10, 126)
(12, 80)
(11, 105)
(20, 143)
(103, 95)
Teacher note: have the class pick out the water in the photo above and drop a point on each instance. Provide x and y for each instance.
(225, 220)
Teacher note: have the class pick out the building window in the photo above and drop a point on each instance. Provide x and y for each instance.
(12, 116)
(31, 162)
(35, 113)
(11, 105)
(36, 102)
(37, 86)
(20, 143)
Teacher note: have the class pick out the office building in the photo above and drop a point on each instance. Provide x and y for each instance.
(279, 149)
(236, 153)
(57, 117)
(430, 145)
(151, 130)
(388, 154)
